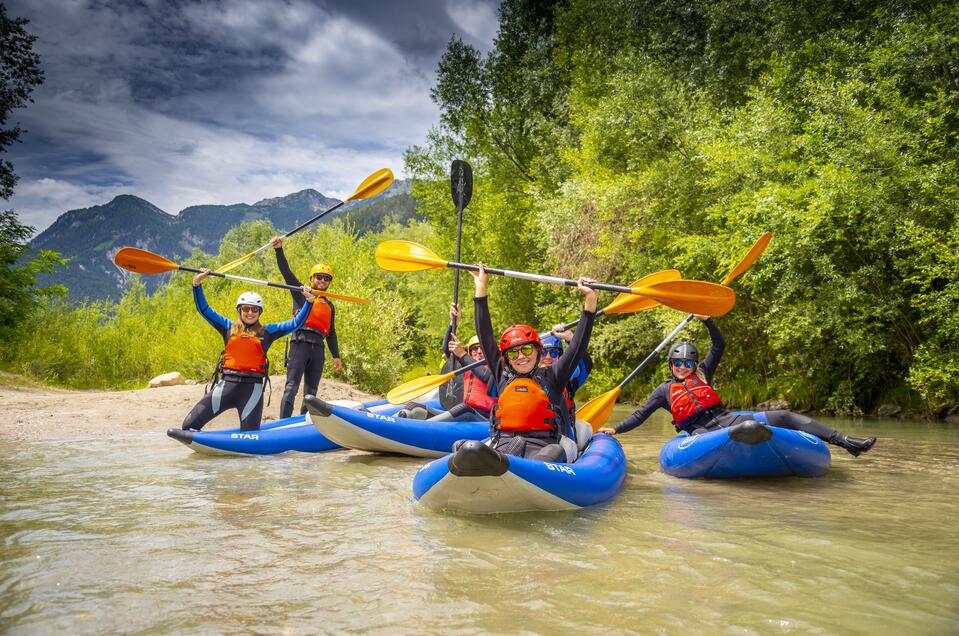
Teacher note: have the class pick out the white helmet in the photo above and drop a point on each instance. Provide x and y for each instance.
(250, 298)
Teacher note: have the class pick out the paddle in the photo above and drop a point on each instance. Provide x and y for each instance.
(419, 386)
(461, 186)
(686, 295)
(371, 186)
(144, 262)
(598, 410)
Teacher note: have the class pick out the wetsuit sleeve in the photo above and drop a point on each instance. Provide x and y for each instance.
(581, 374)
(280, 329)
(484, 331)
(658, 399)
(331, 340)
(482, 372)
(218, 322)
(568, 362)
(290, 279)
(716, 349)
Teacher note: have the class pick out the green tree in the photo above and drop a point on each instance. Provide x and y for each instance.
(20, 73)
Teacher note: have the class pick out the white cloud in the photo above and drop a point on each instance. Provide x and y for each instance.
(476, 18)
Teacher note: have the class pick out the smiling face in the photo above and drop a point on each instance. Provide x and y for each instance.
(550, 356)
(249, 314)
(522, 358)
(685, 369)
(321, 281)
(476, 352)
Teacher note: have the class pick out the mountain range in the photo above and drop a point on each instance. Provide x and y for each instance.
(89, 237)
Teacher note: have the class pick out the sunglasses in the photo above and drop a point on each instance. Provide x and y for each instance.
(250, 309)
(475, 348)
(689, 364)
(325, 277)
(553, 353)
(526, 350)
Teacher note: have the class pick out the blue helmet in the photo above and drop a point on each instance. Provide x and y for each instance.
(552, 342)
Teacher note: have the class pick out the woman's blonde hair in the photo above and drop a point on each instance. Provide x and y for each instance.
(238, 327)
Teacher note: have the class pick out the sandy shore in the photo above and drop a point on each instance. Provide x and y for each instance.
(31, 412)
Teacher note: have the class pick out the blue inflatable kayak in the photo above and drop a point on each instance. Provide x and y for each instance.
(279, 436)
(378, 432)
(748, 449)
(476, 479)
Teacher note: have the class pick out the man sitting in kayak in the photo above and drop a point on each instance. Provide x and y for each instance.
(696, 407)
(244, 367)
(531, 417)
(552, 350)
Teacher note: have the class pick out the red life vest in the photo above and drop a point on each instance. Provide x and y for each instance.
(320, 316)
(523, 405)
(244, 353)
(474, 393)
(691, 397)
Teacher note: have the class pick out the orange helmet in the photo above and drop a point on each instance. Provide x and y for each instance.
(519, 335)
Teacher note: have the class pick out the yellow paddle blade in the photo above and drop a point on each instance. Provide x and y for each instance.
(142, 261)
(225, 268)
(415, 388)
(373, 185)
(691, 296)
(597, 410)
(348, 299)
(406, 256)
(631, 303)
(754, 253)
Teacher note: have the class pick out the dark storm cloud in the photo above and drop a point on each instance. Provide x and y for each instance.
(197, 102)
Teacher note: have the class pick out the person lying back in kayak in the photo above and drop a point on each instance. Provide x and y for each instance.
(307, 354)
(696, 407)
(243, 367)
(531, 417)
(552, 350)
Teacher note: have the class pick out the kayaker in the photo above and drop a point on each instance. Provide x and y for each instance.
(243, 368)
(696, 407)
(531, 418)
(477, 401)
(552, 350)
(307, 354)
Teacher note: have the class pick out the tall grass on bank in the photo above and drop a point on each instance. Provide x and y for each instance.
(123, 344)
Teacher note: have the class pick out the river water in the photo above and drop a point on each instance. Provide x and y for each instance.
(139, 534)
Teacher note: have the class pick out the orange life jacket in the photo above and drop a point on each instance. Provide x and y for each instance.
(320, 316)
(244, 353)
(523, 405)
(691, 397)
(475, 395)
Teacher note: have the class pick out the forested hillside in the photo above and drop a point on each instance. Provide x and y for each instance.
(624, 137)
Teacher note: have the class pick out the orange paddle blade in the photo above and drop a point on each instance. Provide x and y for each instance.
(415, 388)
(348, 299)
(406, 256)
(691, 296)
(373, 185)
(598, 410)
(754, 253)
(142, 261)
(631, 303)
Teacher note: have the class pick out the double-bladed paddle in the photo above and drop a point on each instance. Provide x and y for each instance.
(143, 262)
(461, 187)
(686, 295)
(598, 410)
(371, 186)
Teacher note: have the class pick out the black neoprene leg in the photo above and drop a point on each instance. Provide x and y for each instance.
(313, 371)
(201, 413)
(295, 366)
(797, 422)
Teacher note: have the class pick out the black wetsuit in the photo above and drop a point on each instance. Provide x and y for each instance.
(237, 390)
(453, 393)
(718, 417)
(307, 354)
(553, 380)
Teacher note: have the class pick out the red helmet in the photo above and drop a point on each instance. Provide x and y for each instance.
(519, 335)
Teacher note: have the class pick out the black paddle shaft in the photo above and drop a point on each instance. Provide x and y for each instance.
(461, 186)
(248, 280)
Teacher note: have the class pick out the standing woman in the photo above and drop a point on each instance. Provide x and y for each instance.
(531, 417)
(697, 408)
(307, 353)
(244, 366)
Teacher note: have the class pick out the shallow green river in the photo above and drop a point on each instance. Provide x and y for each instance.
(139, 534)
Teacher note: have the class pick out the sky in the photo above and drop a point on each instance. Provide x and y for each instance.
(230, 101)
